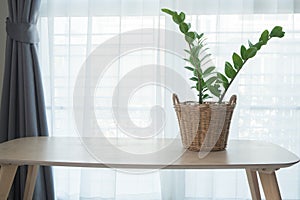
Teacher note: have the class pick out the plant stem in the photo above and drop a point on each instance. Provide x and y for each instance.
(223, 94)
(200, 92)
(199, 81)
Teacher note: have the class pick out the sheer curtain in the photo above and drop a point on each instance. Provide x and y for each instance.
(267, 89)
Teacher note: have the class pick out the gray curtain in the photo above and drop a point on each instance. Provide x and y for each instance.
(22, 106)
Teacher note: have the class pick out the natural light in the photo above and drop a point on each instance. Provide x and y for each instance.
(268, 98)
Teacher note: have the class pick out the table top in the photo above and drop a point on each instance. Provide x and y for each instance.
(141, 154)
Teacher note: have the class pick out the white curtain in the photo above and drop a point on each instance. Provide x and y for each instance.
(267, 88)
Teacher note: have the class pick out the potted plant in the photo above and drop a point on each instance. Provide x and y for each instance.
(205, 124)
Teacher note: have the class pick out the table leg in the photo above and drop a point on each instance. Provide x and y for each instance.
(7, 175)
(253, 184)
(270, 185)
(32, 172)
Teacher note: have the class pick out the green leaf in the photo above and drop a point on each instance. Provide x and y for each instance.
(250, 44)
(194, 79)
(196, 73)
(170, 12)
(183, 27)
(189, 68)
(225, 85)
(228, 64)
(237, 61)
(277, 32)
(208, 71)
(243, 51)
(211, 80)
(214, 90)
(205, 57)
(206, 96)
(203, 50)
(229, 71)
(197, 86)
(202, 41)
(182, 16)
(251, 52)
(176, 18)
(222, 77)
(190, 37)
(203, 83)
(189, 25)
(199, 70)
(195, 50)
(187, 51)
(200, 35)
(194, 61)
(264, 37)
(258, 45)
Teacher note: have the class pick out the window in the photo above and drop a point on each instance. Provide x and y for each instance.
(268, 97)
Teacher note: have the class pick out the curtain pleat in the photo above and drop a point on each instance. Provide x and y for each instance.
(22, 107)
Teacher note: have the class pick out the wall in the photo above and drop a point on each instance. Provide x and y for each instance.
(3, 15)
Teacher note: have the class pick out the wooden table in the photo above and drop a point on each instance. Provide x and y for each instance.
(253, 156)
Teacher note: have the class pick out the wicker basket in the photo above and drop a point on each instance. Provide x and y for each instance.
(204, 126)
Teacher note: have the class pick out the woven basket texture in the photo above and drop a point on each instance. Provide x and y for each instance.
(204, 126)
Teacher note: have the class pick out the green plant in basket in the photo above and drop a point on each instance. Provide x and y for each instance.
(208, 81)
(205, 125)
